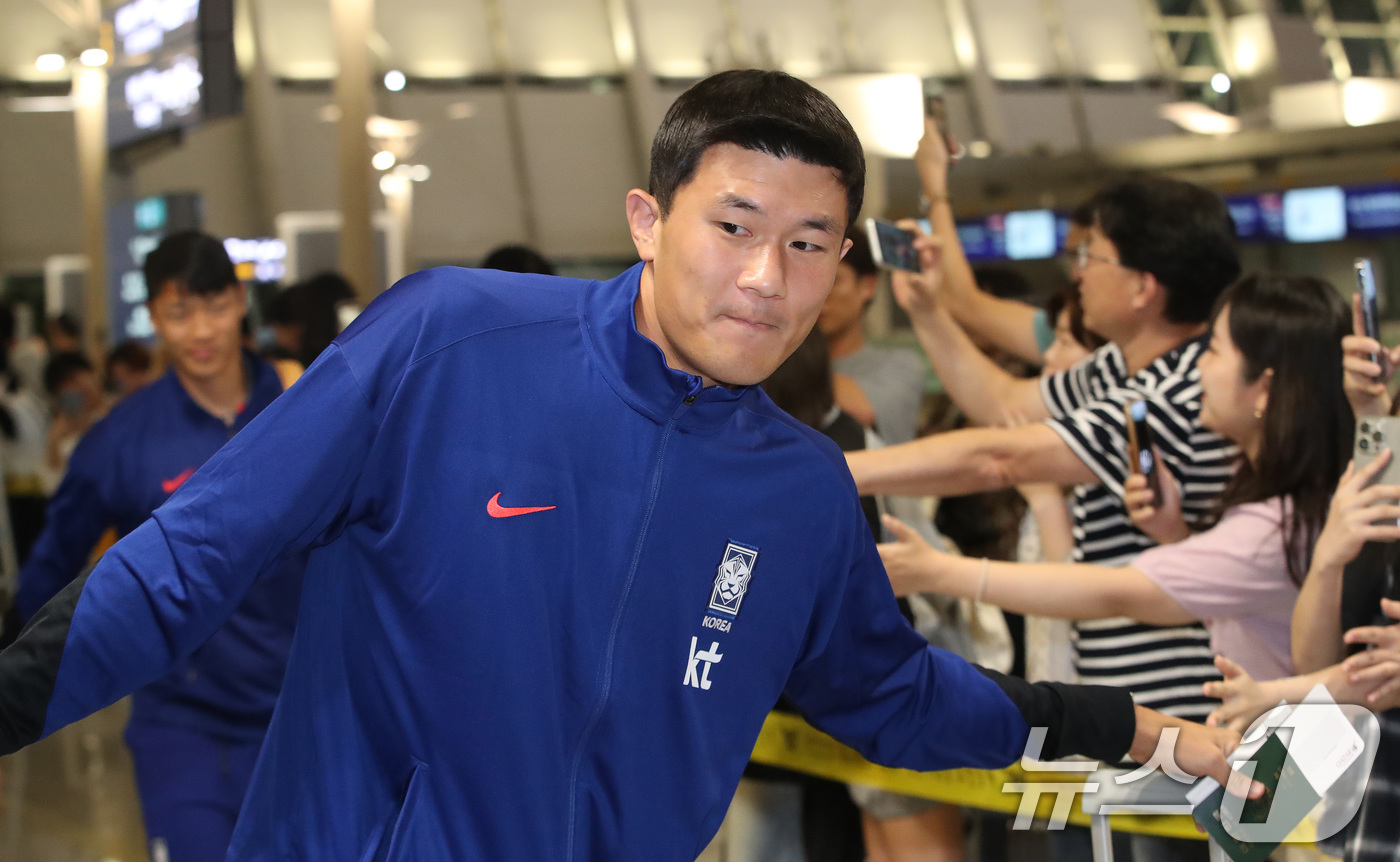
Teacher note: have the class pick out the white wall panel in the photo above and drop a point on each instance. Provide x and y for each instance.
(433, 39)
(40, 211)
(1110, 40)
(581, 169)
(1014, 38)
(559, 38)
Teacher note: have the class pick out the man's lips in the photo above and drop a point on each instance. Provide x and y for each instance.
(750, 323)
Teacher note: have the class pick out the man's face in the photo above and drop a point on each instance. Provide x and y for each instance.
(845, 305)
(202, 334)
(1107, 288)
(741, 265)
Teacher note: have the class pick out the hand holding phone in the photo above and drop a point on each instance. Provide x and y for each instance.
(892, 246)
(1142, 457)
(1151, 496)
(1370, 309)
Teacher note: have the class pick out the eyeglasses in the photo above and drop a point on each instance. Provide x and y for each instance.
(1082, 256)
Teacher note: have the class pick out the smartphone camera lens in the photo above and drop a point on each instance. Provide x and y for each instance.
(1365, 428)
(1378, 437)
(1363, 444)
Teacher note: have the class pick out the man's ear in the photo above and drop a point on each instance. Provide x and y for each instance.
(866, 285)
(644, 221)
(1149, 292)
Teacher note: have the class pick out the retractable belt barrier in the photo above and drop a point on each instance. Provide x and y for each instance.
(789, 742)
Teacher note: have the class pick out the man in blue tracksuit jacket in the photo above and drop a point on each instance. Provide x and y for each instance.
(195, 732)
(565, 555)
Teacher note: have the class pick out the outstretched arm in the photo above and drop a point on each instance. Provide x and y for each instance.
(1072, 591)
(968, 462)
(983, 389)
(159, 593)
(285, 482)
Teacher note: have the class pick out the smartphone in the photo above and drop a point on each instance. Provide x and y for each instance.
(1374, 434)
(936, 109)
(1142, 457)
(1370, 312)
(892, 246)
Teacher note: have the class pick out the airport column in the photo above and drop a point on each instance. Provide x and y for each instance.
(352, 22)
(90, 127)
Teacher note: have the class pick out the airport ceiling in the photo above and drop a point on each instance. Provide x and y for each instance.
(1021, 40)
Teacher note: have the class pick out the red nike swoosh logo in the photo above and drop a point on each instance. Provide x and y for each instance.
(496, 510)
(170, 486)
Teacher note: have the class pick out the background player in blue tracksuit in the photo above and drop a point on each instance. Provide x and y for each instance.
(195, 732)
(565, 554)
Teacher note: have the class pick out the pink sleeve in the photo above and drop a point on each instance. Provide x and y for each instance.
(1237, 568)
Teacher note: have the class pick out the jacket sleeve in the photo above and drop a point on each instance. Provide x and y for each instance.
(75, 519)
(868, 679)
(284, 483)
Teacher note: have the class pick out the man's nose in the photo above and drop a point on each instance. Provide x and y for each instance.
(763, 273)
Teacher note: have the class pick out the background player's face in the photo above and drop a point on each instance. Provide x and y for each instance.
(202, 334)
(741, 265)
(845, 306)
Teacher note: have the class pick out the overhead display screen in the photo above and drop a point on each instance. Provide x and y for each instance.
(173, 67)
(1318, 214)
(134, 228)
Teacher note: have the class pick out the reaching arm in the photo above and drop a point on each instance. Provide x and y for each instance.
(983, 389)
(1071, 591)
(1005, 323)
(1358, 515)
(969, 461)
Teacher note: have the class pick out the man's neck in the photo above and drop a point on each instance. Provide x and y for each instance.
(847, 343)
(1144, 346)
(221, 395)
(649, 327)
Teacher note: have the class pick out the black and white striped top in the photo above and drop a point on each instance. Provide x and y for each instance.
(1164, 667)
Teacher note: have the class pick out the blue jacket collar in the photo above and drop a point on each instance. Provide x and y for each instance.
(263, 387)
(636, 368)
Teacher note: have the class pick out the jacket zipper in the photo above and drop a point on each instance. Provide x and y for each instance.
(692, 392)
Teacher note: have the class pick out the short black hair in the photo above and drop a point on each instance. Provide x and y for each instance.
(132, 354)
(859, 257)
(61, 368)
(769, 112)
(517, 258)
(1180, 233)
(196, 261)
(66, 324)
(1001, 282)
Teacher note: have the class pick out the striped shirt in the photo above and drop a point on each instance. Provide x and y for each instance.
(1164, 667)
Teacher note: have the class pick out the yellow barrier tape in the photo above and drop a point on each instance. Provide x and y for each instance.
(790, 742)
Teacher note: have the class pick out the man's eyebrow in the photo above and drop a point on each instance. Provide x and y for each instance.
(821, 223)
(740, 202)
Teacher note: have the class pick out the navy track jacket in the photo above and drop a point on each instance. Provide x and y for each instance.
(554, 588)
(123, 469)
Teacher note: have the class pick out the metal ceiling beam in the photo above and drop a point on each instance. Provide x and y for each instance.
(1068, 66)
(639, 84)
(972, 61)
(515, 124)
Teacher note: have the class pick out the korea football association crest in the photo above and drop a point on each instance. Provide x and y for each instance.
(732, 579)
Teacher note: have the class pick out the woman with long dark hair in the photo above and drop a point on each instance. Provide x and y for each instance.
(1271, 383)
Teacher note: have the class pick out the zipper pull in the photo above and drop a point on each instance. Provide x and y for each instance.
(696, 384)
